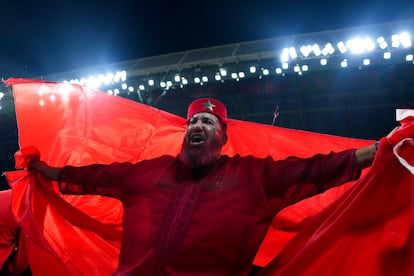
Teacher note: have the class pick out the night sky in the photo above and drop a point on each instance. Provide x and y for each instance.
(45, 37)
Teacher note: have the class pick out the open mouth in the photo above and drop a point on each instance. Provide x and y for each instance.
(196, 139)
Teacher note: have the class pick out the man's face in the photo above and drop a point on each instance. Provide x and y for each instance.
(203, 139)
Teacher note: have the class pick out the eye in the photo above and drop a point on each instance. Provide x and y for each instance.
(192, 121)
(208, 121)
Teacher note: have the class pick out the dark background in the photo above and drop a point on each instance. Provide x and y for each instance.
(40, 38)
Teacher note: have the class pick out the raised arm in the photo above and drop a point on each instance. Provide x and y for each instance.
(51, 173)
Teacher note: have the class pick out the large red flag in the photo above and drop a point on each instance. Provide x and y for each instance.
(74, 125)
(369, 229)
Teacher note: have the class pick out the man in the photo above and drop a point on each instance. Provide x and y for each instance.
(202, 213)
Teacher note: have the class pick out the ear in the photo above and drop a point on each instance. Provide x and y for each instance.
(224, 139)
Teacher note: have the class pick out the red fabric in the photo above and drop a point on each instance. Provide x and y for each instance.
(13, 244)
(73, 125)
(369, 229)
(183, 212)
(9, 228)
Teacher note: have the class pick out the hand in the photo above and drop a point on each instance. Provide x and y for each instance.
(51, 173)
(364, 156)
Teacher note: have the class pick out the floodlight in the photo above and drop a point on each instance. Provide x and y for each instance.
(217, 77)
(409, 57)
(92, 82)
(177, 78)
(395, 41)
(233, 75)
(356, 45)
(368, 44)
(123, 75)
(241, 75)
(223, 72)
(296, 68)
(344, 63)
(306, 50)
(278, 70)
(285, 65)
(305, 68)
(117, 77)
(163, 84)
(197, 80)
(124, 86)
(184, 81)
(387, 55)
(316, 50)
(108, 78)
(130, 89)
(141, 87)
(204, 79)
(324, 61)
(252, 69)
(265, 72)
(366, 61)
(285, 55)
(329, 49)
(342, 47)
(151, 82)
(292, 53)
(405, 40)
(382, 43)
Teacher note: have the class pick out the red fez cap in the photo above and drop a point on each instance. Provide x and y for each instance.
(207, 105)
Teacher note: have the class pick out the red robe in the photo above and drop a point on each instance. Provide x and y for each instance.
(84, 126)
(208, 221)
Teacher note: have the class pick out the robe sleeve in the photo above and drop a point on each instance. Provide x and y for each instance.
(294, 178)
(94, 179)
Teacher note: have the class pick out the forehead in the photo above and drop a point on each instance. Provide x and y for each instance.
(205, 115)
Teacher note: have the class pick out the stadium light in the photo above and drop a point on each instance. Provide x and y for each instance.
(405, 40)
(306, 50)
(223, 72)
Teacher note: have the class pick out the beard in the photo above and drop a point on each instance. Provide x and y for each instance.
(200, 155)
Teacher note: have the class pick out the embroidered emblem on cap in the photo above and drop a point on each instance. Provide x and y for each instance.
(208, 105)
